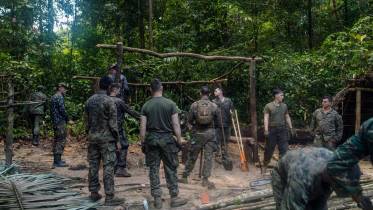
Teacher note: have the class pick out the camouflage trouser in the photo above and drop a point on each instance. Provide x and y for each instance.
(202, 140)
(106, 153)
(223, 141)
(60, 134)
(162, 147)
(279, 137)
(290, 196)
(36, 119)
(122, 154)
(319, 141)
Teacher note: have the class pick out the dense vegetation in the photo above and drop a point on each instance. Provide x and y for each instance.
(309, 48)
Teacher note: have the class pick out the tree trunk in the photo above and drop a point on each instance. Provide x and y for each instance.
(346, 12)
(141, 24)
(150, 24)
(50, 33)
(8, 148)
(310, 24)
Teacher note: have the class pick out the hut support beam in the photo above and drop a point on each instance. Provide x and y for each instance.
(358, 111)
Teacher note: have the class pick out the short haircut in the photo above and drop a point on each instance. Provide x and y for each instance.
(205, 90)
(276, 91)
(105, 82)
(155, 85)
(219, 88)
(328, 97)
(114, 86)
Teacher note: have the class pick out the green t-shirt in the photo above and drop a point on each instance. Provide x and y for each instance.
(158, 112)
(277, 113)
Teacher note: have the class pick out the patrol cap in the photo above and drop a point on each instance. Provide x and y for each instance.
(114, 66)
(61, 84)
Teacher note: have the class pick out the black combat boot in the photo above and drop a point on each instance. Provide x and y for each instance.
(177, 201)
(111, 200)
(35, 140)
(95, 196)
(208, 184)
(122, 172)
(57, 161)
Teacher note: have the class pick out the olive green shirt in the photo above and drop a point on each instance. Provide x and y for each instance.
(277, 113)
(158, 112)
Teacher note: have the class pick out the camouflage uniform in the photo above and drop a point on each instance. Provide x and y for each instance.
(59, 119)
(327, 127)
(160, 144)
(204, 137)
(298, 182)
(102, 129)
(346, 156)
(223, 131)
(122, 109)
(37, 112)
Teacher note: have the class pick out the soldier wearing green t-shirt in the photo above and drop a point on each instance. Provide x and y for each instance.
(159, 121)
(276, 123)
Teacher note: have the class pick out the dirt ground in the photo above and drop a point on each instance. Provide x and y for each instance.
(136, 188)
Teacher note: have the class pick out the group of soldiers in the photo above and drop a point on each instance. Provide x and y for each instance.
(305, 178)
(302, 179)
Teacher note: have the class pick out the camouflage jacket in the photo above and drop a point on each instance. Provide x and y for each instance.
(192, 115)
(347, 155)
(38, 109)
(124, 89)
(101, 118)
(298, 177)
(328, 126)
(122, 109)
(224, 107)
(58, 112)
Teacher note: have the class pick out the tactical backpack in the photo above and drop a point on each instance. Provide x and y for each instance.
(205, 115)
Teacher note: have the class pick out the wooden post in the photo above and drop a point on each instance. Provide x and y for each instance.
(253, 116)
(358, 111)
(119, 53)
(10, 119)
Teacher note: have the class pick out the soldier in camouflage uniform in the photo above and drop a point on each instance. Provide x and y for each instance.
(159, 121)
(102, 130)
(37, 112)
(345, 157)
(327, 125)
(203, 115)
(59, 119)
(299, 181)
(122, 109)
(223, 127)
(121, 80)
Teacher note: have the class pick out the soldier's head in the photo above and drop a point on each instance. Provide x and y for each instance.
(114, 89)
(205, 91)
(326, 102)
(105, 83)
(278, 94)
(218, 92)
(156, 87)
(113, 69)
(61, 88)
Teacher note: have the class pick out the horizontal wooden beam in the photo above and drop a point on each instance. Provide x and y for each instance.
(163, 83)
(180, 54)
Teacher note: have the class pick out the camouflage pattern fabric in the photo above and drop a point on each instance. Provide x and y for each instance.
(36, 120)
(201, 140)
(346, 156)
(222, 138)
(327, 127)
(122, 109)
(106, 152)
(101, 118)
(60, 135)
(37, 109)
(58, 112)
(225, 107)
(298, 182)
(162, 147)
(124, 89)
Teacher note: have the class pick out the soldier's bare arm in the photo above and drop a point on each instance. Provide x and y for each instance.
(266, 123)
(288, 121)
(130, 111)
(176, 127)
(142, 128)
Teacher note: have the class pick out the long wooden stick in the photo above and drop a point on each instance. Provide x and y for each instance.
(236, 134)
(180, 54)
(239, 131)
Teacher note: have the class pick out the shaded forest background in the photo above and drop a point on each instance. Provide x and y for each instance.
(309, 48)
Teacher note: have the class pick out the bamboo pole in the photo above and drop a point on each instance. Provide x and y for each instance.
(358, 111)
(8, 149)
(253, 114)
